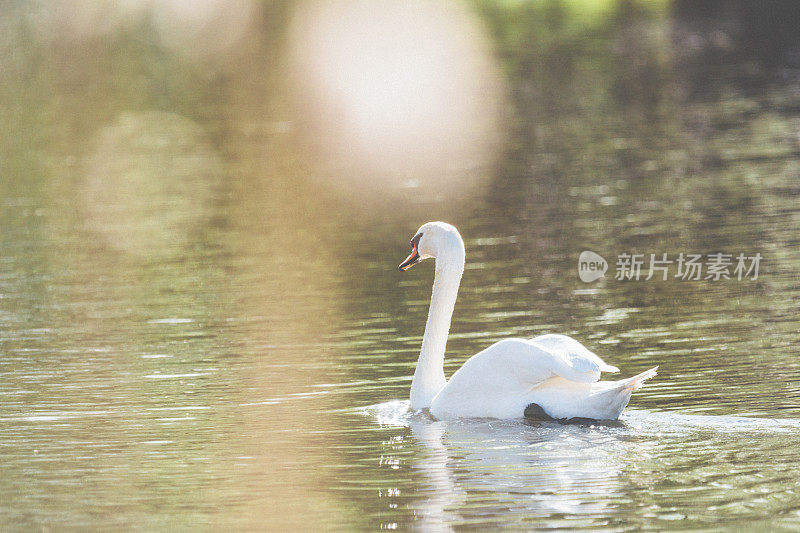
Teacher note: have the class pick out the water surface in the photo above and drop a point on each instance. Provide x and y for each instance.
(202, 324)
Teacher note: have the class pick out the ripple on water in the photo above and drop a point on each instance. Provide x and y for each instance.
(584, 471)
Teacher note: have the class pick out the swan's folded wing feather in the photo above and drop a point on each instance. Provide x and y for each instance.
(531, 363)
(524, 364)
(575, 354)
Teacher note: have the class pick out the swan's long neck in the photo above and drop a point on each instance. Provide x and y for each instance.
(429, 375)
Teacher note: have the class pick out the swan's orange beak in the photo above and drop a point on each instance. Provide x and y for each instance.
(411, 260)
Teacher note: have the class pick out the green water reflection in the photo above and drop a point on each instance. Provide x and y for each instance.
(201, 320)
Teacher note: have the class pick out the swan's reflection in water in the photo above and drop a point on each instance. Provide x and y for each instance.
(575, 475)
(544, 468)
(445, 495)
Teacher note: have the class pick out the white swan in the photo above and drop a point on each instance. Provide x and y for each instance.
(550, 375)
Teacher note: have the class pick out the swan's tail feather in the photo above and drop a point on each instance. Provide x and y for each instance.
(611, 397)
(638, 380)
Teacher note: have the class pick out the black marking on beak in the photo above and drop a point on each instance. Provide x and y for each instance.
(413, 258)
(410, 261)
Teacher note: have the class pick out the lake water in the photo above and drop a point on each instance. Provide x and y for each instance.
(202, 325)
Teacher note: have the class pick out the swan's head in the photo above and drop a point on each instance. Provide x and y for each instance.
(437, 240)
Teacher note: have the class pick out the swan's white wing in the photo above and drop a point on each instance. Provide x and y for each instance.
(518, 365)
(555, 372)
(576, 355)
(498, 381)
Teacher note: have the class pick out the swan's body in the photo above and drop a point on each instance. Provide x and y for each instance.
(553, 373)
